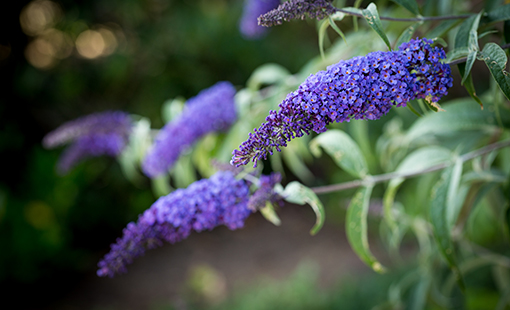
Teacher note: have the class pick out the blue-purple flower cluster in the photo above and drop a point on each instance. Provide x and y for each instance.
(105, 133)
(297, 9)
(359, 88)
(213, 109)
(248, 24)
(205, 204)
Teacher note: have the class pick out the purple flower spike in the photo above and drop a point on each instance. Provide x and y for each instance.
(211, 110)
(359, 88)
(105, 133)
(248, 25)
(205, 204)
(297, 9)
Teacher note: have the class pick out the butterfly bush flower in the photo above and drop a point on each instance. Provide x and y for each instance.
(359, 88)
(248, 25)
(205, 204)
(105, 133)
(211, 110)
(297, 9)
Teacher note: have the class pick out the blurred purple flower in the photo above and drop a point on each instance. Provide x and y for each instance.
(359, 88)
(105, 133)
(265, 192)
(211, 110)
(297, 9)
(205, 204)
(248, 24)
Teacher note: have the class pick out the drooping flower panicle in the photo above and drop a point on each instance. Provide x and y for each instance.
(248, 25)
(205, 204)
(359, 88)
(211, 110)
(297, 9)
(105, 133)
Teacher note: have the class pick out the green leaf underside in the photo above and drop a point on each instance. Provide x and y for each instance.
(372, 17)
(297, 193)
(356, 227)
(495, 59)
(344, 151)
(439, 221)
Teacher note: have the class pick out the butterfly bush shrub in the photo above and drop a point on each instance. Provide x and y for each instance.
(356, 96)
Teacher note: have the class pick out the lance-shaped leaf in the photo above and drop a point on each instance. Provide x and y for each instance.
(473, 48)
(407, 34)
(500, 14)
(410, 5)
(468, 84)
(343, 149)
(442, 28)
(440, 224)
(495, 59)
(297, 193)
(372, 17)
(356, 227)
(462, 36)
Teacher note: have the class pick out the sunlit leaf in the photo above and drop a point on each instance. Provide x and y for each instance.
(372, 17)
(172, 108)
(322, 36)
(267, 74)
(335, 27)
(270, 214)
(356, 227)
(495, 58)
(410, 5)
(297, 193)
(343, 149)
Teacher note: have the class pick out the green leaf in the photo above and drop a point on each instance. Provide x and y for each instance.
(343, 149)
(452, 208)
(322, 35)
(500, 14)
(172, 108)
(461, 114)
(297, 193)
(295, 163)
(161, 185)
(468, 84)
(456, 53)
(468, 66)
(417, 161)
(439, 221)
(410, 5)
(372, 17)
(462, 37)
(407, 34)
(442, 28)
(267, 74)
(139, 142)
(356, 227)
(269, 214)
(335, 27)
(495, 59)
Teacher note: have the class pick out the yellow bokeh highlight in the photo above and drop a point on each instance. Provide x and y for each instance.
(38, 16)
(39, 215)
(96, 43)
